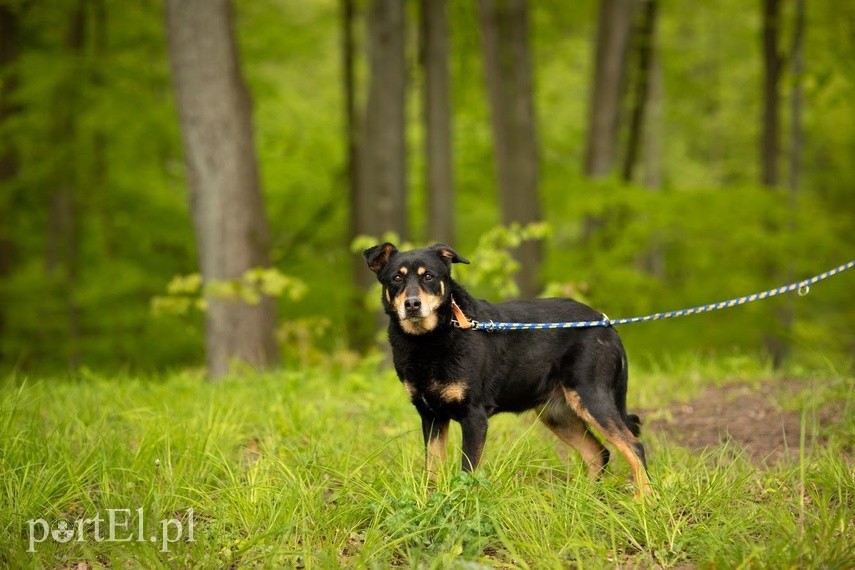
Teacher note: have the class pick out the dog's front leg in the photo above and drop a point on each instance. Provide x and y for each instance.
(435, 432)
(474, 425)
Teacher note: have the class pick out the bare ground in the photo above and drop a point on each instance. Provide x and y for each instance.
(750, 416)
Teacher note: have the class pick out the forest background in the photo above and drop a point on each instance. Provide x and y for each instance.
(679, 152)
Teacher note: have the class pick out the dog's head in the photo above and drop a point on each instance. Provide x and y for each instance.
(416, 283)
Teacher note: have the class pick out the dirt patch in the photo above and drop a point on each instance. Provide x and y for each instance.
(749, 416)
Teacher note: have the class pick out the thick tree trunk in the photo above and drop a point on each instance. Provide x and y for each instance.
(437, 115)
(379, 200)
(508, 72)
(614, 30)
(382, 204)
(225, 198)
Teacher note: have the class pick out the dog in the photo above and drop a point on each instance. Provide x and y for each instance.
(575, 379)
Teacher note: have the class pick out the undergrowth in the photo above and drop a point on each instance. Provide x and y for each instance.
(324, 469)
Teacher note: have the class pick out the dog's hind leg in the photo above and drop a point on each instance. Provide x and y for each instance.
(597, 409)
(569, 428)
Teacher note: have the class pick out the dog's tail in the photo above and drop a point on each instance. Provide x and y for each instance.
(633, 422)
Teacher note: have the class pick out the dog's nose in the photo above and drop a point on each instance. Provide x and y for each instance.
(412, 304)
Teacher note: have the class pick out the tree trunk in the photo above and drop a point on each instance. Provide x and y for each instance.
(214, 110)
(508, 73)
(9, 50)
(797, 67)
(63, 247)
(359, 333)
(379, 192)
(772, 65)
(614, 30)
(382, 204)
(646, 40)
(437, 116)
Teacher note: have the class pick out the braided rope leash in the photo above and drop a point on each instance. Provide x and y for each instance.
(803, 288)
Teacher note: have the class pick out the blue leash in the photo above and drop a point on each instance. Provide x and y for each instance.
(803, 288)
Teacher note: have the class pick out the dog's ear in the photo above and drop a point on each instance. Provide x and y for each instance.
(447, 254)
(378, 256)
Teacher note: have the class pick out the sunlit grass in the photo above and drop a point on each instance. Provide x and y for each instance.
(324, 469)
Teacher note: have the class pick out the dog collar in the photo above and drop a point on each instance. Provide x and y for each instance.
(459, 319)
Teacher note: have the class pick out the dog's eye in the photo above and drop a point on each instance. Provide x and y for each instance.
(428, 277)
(398, 278)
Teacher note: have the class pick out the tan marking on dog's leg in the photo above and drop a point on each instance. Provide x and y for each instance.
(436, 449)
(411, 390)
(571, 430)
(453, 392)
(619, 436)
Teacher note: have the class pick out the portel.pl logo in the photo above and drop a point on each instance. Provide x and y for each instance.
(117, 526)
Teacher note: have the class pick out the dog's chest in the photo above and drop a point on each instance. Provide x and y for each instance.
(436, 395)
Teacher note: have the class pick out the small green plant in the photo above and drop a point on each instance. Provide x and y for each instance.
(185, 293)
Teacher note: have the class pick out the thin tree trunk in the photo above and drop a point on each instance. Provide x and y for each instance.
(100, 190)
(779, 346)
(62, 252)
(214, 110)
(796, 135)
(614, 30)
(359, 333)
(772, 65)
(508, 72)
(437, 116)
(646, 48)
(9, 51)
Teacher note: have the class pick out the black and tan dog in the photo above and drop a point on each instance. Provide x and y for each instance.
(575, 378)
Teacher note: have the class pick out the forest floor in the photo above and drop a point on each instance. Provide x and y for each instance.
(754, 416)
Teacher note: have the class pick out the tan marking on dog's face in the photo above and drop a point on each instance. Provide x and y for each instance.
(420, 326)
(421, 270)
(388, 295)
(453, 392)
(427, 319)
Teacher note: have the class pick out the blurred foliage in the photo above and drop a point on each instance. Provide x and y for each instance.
(717, 233)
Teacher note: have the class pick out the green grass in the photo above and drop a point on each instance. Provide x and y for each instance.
(324, 469)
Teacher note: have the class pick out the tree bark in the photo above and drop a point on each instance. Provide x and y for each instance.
(508, 73)
(63, 248)
(614, 30)
(437, 117)
(646, 40)
(772, 66)
(796, 100)
(226, 203)
(382, 204)
(9, 52)
(379, 196)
